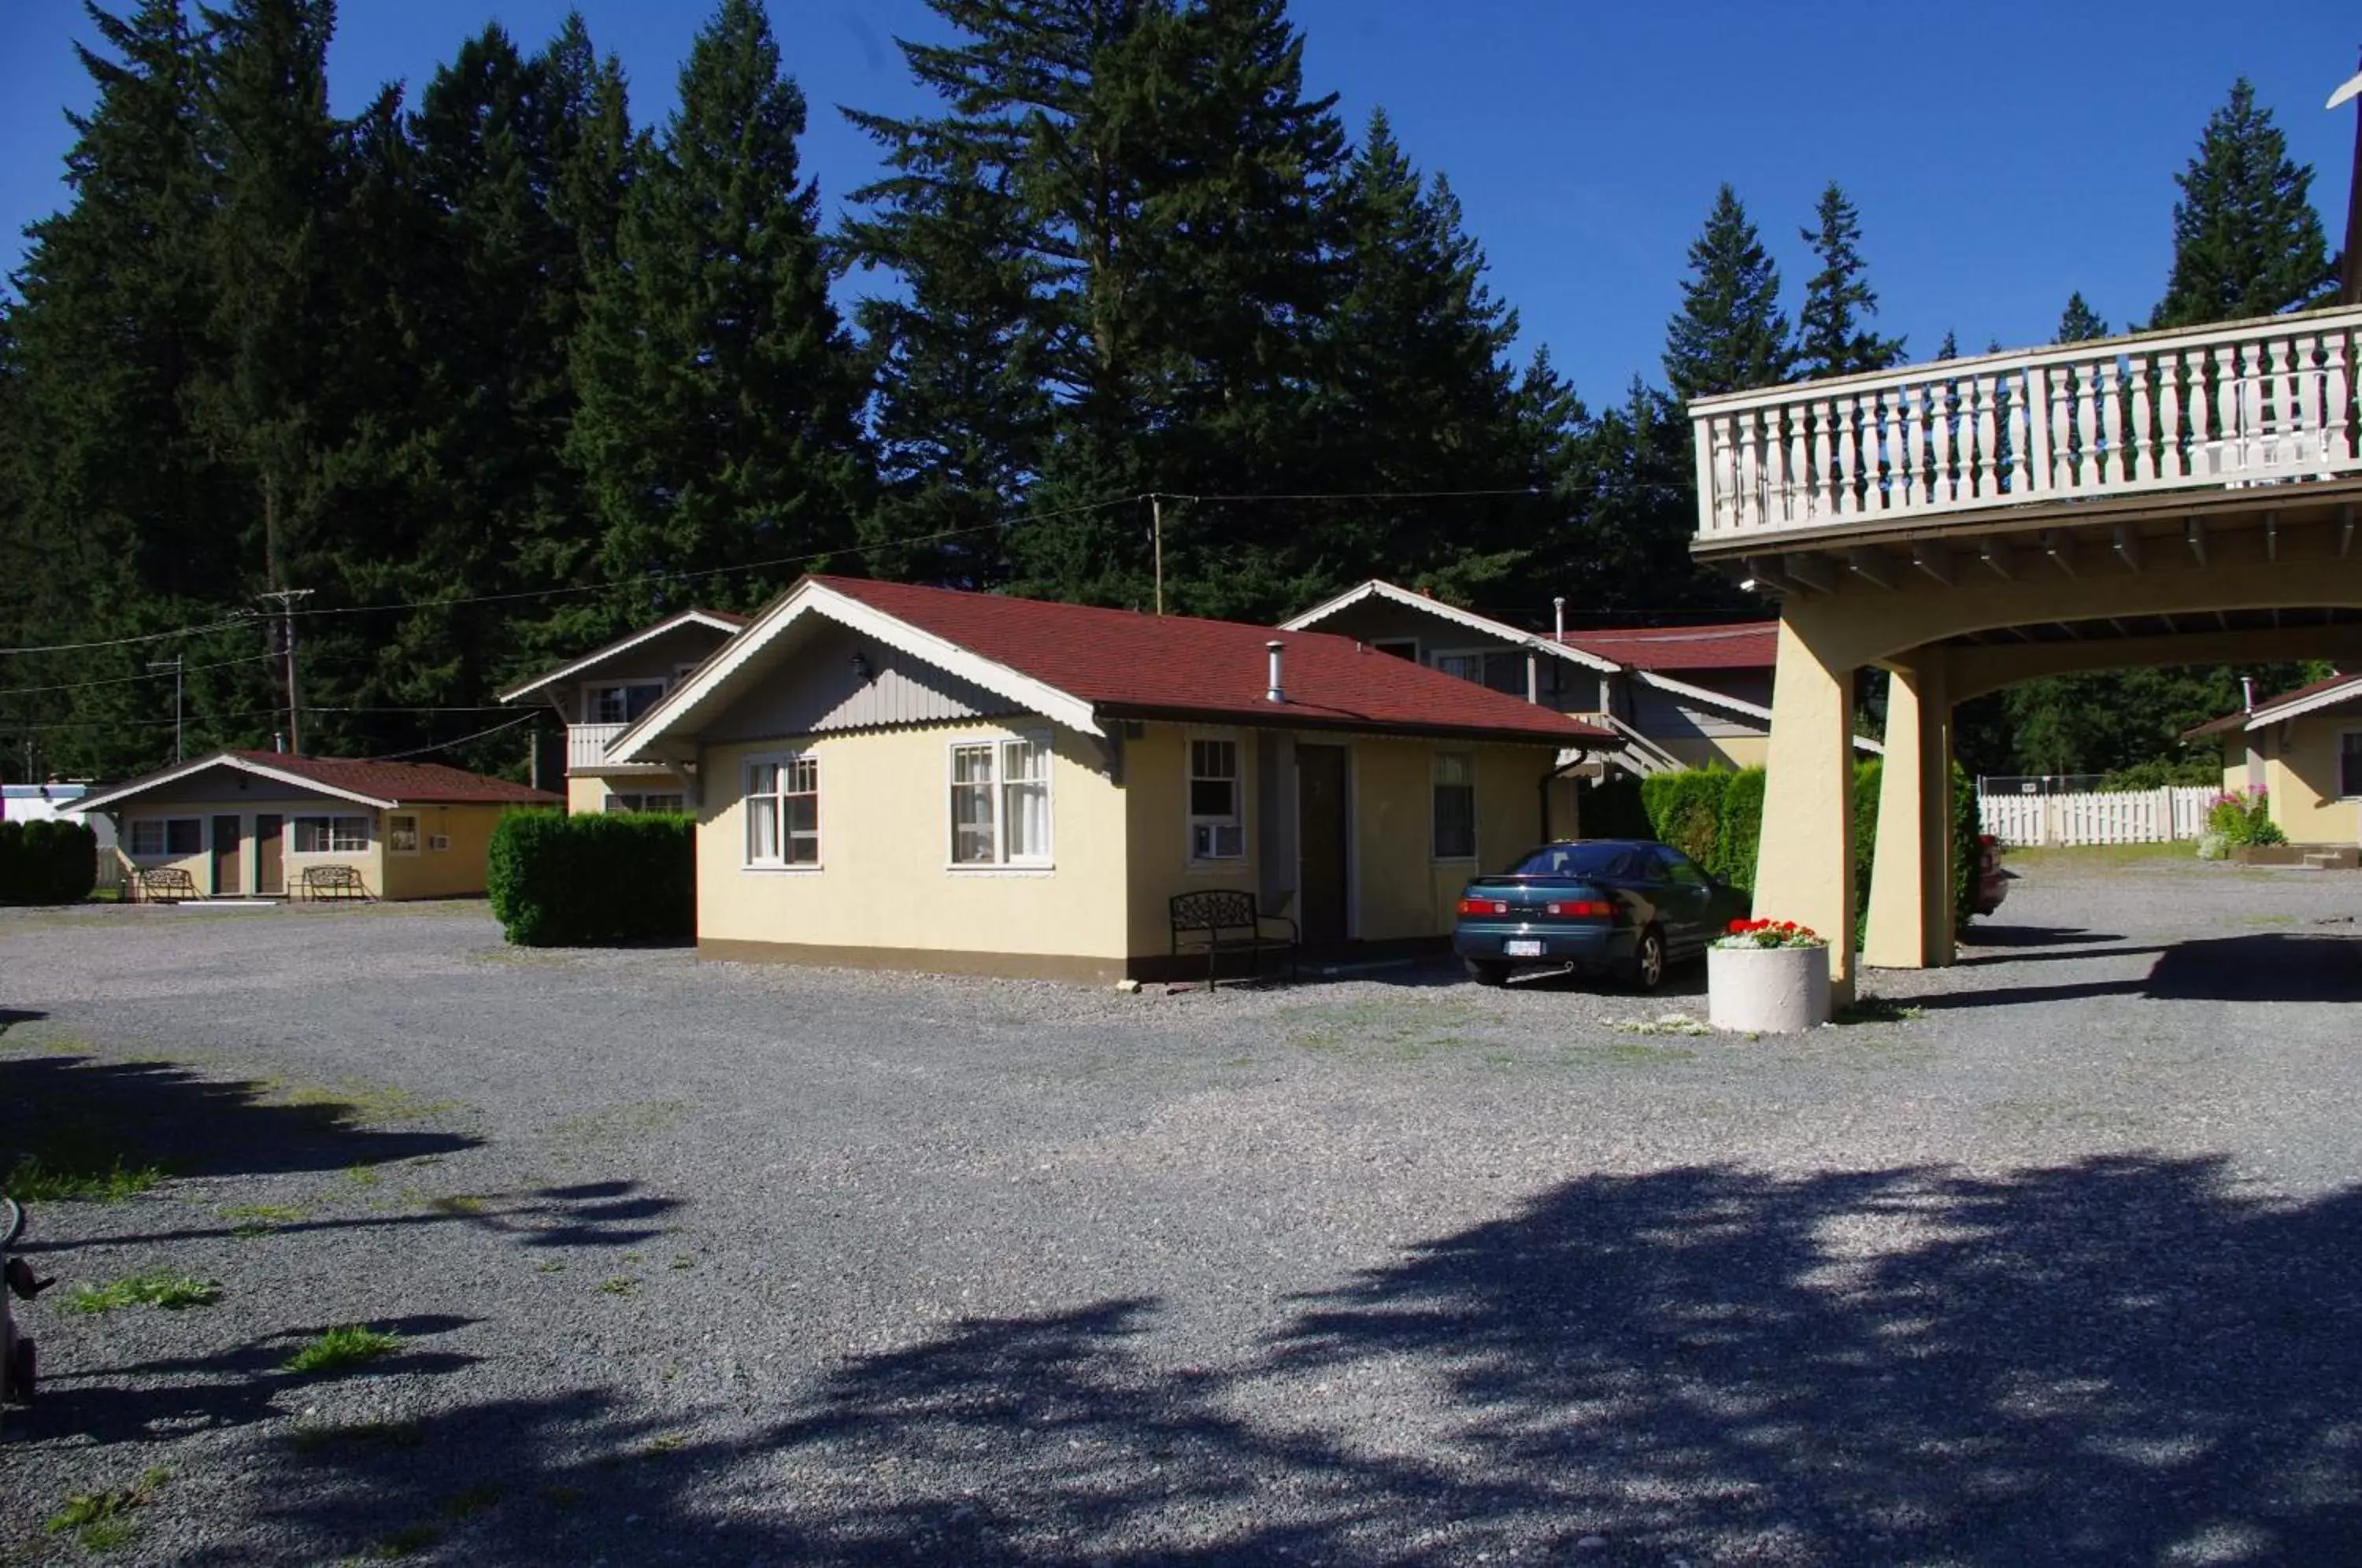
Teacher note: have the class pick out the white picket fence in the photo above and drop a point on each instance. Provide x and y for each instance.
(2129, 816)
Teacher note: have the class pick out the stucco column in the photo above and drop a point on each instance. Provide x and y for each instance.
(1804, 869)
(1911, 884)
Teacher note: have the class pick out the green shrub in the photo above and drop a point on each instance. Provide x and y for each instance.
(1741, 836)
(2161, 774)
(1685, 810)
(47, 862)
(1967, 858)
(561, 881)
(2239, 818)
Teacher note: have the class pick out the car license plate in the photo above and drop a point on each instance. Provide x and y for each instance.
(1520, 947)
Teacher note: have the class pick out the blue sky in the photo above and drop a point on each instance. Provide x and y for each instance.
(2002, 155)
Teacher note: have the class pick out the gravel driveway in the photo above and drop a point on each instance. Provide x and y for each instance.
(2051, 1259)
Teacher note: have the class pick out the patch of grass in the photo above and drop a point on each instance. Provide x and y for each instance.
(362, 1176)
(2095, 856)
(366, 1105)
(173, 1292)
(1877, 1010)
(407, 1541)
(619, 1285)
(667, 1442)
(102, 1521)
(682, 1260)
(60, 1178)
(549, 1266)
(360, 1434)
(266, 1213)
(1663, 1024)
(340, 1350)
(473, 1501)
(458, 1203)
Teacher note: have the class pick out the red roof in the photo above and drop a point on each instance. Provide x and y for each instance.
(2240, 720)
(1746, 644)
(1130, 665)
(429, 783)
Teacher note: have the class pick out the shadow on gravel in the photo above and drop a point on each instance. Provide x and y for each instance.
(2277, 967)
(2117, 1360)
(83, 1112)
(12, 1016)
(2014, 936)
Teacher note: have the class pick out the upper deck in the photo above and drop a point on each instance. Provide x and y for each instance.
(2030, 439)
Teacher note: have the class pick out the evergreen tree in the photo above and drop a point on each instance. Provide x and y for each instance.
(1833, 337)
(2246, 238)
(1950, 347)
(719, 396)
(1730, 334)
(2078, 323)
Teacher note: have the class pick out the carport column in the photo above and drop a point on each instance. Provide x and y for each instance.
(1804, 866)
(1911, 881)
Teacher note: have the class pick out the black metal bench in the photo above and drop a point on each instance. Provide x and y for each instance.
(162, 885)
(332, 882)
(1219, 921)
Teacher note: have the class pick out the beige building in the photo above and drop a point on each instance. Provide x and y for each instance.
(601, 694)
(249, 824)
(920, 777)
(2304, 750)
(1676, 696)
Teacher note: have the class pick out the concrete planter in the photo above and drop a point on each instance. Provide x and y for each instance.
(1767, 990)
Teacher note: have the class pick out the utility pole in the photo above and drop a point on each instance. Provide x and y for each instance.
(1156, 534)
(287, 597)
(173, 663)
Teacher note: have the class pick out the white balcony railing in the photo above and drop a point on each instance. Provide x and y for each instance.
(586, 747)
(2246, 402)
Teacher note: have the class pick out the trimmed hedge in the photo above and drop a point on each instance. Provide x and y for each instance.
(47, 862)
(1685, 811)
(588, 881)
(1742, 829)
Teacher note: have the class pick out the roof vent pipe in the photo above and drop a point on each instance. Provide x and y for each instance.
(1559, 604)
(1273, 692)
(2248, 691)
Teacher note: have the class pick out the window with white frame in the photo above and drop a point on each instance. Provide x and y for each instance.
(2349, 764)
(1000, 801)
(1217, 814)
(620, 701)
(783, 811)
(644, 802)
(166, 835)
(330, 835)
(1455, 806)
(1469, 666)
(401, 834)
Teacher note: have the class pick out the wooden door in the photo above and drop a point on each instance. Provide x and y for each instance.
(229, 864)
(1322, 832)
(269, 870)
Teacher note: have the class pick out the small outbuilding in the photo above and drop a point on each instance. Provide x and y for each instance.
(251, 824)
(919, 777)
(2304, 750)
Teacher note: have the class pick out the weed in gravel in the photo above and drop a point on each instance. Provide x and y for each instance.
(172, 1292)
(340, 1350)
(1877, 1010)
(60, 1176)
(682, 1260)
(252, 1219)
(458, 1203)
(311, 1439)
(367, 1105)
(101, 1520)
(361, 1175)
(667, 1442)
(619, 1285)
(473, 1501)
(1663, 1024)
(549, 1266)
(407, 1541)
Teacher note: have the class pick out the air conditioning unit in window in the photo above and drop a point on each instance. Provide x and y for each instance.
(439, 840)
(1217, 840)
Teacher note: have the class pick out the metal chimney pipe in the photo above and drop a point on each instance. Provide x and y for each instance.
(1559, 604)
(1274, 692)
(2248, 691)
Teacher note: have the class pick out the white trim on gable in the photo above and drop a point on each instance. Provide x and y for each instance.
(624, 644)
(139, 787)
(1738, 705)
(2343, 691)
(1374, 589)
(685, 701)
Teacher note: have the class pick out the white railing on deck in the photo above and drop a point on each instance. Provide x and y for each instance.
(586, 745)
(2250, 401)
(2130, 816)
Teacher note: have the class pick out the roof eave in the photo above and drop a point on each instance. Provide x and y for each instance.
(621, 646)
(1424, 604)
(1283, 715)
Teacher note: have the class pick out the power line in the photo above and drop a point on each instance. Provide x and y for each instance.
(239, 619)
(125, 680)
(463, 740)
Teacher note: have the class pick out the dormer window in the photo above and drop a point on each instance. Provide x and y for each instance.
(620, 701)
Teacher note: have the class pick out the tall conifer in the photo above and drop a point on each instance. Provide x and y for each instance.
(1833, 334)
(2246, 238)
(1729, 333)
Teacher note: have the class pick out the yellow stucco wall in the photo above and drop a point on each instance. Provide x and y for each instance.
(885, 881)
(1157, 809)
(199, 866)
(2301, 773)
(457, 871)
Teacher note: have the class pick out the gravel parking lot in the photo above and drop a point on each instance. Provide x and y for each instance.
(2048, 1258)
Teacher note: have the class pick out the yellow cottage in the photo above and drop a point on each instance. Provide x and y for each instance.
(2303, 749)
(265, 824)
(919, 777)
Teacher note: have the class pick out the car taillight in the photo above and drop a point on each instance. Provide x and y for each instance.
(1581, 909)
(1482, 907)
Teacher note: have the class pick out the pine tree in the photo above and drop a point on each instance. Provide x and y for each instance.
(2247, 240)
(2078, 323)
(1833, 337)
(1730, 334)
(720, 395)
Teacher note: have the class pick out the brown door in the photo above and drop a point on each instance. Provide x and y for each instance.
(229, 865)
(1320, 829)
(269, 871)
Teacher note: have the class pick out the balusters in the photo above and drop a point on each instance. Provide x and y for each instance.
(1849, 415)
(2107, 391)
(2083, 460)
(2143, 467)
(2040, 471)
(2224, 381)
(2339, 446)
(1794, 482)
(2173, 459)
(1917, 405)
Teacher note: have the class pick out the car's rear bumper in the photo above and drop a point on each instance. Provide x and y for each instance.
(1597, 945)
